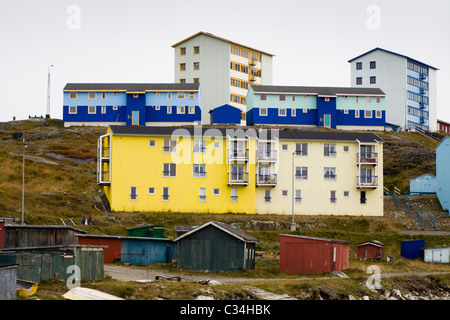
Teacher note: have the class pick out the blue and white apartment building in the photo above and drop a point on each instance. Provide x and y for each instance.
(330, 107)
(410, 86)
(157, 104)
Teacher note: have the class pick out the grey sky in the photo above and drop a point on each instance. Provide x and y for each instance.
(130, 41)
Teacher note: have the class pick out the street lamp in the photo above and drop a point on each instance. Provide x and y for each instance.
(48, 93)
(23, 183)
(292, 226)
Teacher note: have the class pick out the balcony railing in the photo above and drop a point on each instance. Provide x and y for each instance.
(238, 154)
(238, 178)
(266, 155)
(266, 179)
(104, 177)
(367, 181)
(368, 157)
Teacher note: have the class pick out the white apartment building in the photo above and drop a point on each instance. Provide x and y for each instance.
(224, 69)
(410, 87)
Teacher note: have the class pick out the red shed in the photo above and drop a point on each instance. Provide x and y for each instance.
(302, 254)
(370, 250)
(113, 243)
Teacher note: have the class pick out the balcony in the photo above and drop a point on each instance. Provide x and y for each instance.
(238, 178)
(251, 77)
(238, 154)
(251, 62)
(266, 180)
(367, 182)
(367, 158)
(422, 91)
(104, 178)
(422, 76)
(266, 155)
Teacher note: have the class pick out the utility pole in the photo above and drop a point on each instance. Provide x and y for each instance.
(23, 183)
(48, 94)
(292, 226)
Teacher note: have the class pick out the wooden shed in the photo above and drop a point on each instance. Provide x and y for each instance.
(149, 230)
(2, 233)
(23, 236)
(216, 246)
(370, 250)
(308, 255)
(112, 250)
(8, 280)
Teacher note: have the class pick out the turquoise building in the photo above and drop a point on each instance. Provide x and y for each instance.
(443, 172)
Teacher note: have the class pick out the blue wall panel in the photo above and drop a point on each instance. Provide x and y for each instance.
(143, 252)
(326, 107)
(349, 119)
(226, 114)
(135, 104)
(161, 115)
(82, 115)
(309, 118)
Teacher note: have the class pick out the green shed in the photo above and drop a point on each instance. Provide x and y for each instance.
(216, 246)
(146, 231)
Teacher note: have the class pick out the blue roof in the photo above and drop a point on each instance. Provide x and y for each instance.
(397, 54)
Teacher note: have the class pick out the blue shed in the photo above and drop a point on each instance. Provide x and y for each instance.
(142, 251)
(412, 249)
(226, 114)
(423, 184)
(443, 173)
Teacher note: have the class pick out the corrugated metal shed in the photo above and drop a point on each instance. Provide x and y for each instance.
(307, 255)
(216, 246)
(149, 230)
(8, 279)
(437, 254)
(423, 184)
(147, 251)
(412, 249)
(23, 236)
(370, 250)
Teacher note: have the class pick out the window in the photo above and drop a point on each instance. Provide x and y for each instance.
(72, 95)
(199, 170)
(182, 80)
(133, 193)
(346, 148)
(216, 145)
(234, 195)
(169, 95)
(196, 65)
(367, 113)
(180, 96)
(346, 111)
(151, 190)
(157, 108)
(357, 100)
(378, 114)
(135, 95)
(301, 149)
(169, 170)
(196, 80)
(152, 143)
(165, 195)
(170, 145)
(366, 176)
(115, 94)
(103, 95)
(333, 198)
(327, 99)
(199, 146)
(216, 192)
(359, 66)
(359, 80)
(298, 196)
(368, 100)
(282, 112)
(356, 113)
(293, 97)
(169, 109)
(301, 173)
(263, 97)
(284, 193)
(103, 109)
(237, 172)
(202, 194)
(329, 150)
(293, 112)
(373, 64)
(282, 97)
(182, 66)
(115, 108)
(191, 109)
(363, 197)
(346, 194)
(373, 80)
(329, 173)
(378, 100)
(191, 95)
(92, 95)
(182, 51)
(305, 110)
(181, 110)
(267, 197)
(196, 50)
(72, 109)
(284, 147)
(92, 109)
(263, 112)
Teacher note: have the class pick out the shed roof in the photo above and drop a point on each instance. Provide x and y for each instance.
(371, 242)
(320, 91)
(316, 238)
(29, 226)
(120, 237)
(132, 87)
(224, 227)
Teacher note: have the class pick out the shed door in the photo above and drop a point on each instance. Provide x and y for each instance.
(327, 120)
(436, 256)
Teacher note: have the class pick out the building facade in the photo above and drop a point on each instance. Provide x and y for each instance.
(410, 86)
(100, 104)
(335, 108)
(225, 69)
(443, 127)
(443, 173)
(232, 170)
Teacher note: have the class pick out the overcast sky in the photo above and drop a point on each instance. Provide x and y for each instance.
(130, 41)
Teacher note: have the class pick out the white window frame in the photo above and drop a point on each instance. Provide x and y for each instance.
(103, 109)
(346, 194)
(267, 197)
(202, 194)
(378, 100)
(191, 109)
(298, 196)
(378, 114)
(216, 191)
(169, 95)
(261, 113)
(199, 146)
(331, 171)
(103, 95)
(293, 112)
(280, 113)
(191, 95)
(345, 111)
(333, 196)
(284, 193)
(284, 147)
(181, 109)
(305, 110)
(303, 173)
(280, 97)
(200, 172)
(368, 100)
(234, 195)
(329, 148)
(261, 96)
(151, 190)
(165, 196)
(357, 115)
(367, 115)
(170, 145)
(152, 143)
(157, 108)
(169, 109)
(167, 170)
(133, 196)
(115, 108)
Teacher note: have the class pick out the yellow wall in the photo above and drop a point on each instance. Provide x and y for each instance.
(134, 163)
(315, 191)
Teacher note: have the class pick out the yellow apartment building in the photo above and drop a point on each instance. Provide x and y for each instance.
(241, 170)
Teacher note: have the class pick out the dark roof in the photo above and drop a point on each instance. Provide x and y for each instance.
(321, 91)
(397, 54)
(132, 87)
(241, 132)
(234, 231)
(29, 226)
